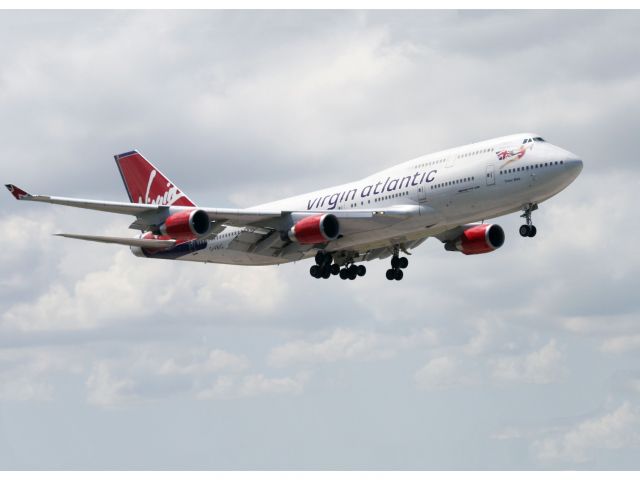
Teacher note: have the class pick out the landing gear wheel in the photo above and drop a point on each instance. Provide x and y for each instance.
(362, 270)
(320, 256)
(398, 274)
(353, 272)
(344, 274)
(403, 262)
(391, 274)
(395, 262)
(314, 271)
(325, 271)
(335, 269)
(528, 230)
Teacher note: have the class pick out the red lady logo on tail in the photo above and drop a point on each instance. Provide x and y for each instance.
(169, 197)
(146, 184)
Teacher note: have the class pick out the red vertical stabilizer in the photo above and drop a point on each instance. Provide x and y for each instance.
(146, 184)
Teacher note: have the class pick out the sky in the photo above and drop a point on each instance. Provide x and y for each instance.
(524, 358)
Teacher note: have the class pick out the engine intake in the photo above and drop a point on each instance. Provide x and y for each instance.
(186, 224)
(479, 239)
(315, 229)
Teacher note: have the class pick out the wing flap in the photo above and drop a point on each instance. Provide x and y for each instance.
(131, 242)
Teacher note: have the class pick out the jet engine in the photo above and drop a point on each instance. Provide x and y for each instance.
(479, 239)
(186, 225)
(315, 229)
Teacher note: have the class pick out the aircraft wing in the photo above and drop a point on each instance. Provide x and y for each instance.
(112, 207)
(145, 213)
(149, 214)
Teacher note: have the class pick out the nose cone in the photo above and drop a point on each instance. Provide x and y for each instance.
(573, 163)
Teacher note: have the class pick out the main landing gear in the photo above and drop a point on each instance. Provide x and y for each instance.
(397, 265)
(325, 267)
(529, 229)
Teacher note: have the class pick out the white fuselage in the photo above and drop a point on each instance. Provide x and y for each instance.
(457, 186)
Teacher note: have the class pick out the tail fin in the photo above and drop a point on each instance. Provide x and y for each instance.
(146, 184)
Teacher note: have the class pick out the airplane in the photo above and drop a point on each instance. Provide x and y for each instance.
(447, 195)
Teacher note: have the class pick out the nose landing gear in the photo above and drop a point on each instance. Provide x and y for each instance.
(528, 229)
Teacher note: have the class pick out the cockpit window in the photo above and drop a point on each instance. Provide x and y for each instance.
(538, 139)
(526, 140)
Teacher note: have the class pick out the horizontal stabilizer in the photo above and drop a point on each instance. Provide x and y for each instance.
(131, 242)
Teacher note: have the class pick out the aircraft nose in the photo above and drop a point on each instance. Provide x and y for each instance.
(574, 163)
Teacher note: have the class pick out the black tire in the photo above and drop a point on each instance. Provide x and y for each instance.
(353, 272)
(326, 272)
(532, 231)
(395, 262)
(524, 230)
(404, 262)
(399, 274)
(335, 269)
(344, 274)
(362, 270)
(314, 271)
(319, 258)
(391, 274)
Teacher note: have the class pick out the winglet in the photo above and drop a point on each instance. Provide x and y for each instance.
(17, 192)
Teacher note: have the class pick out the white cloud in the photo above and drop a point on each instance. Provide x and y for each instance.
(132, 289)
(441, 372)
(26, 373)
(621, 344)
(25, 388)
(215, 361)
(152, 371)
(545, 365)
(108, 389)
(614, 430)
(254, 385)
(348, 344)
(508, 433)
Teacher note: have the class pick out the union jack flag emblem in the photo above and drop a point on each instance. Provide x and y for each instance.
(511, 154)
(503, 154)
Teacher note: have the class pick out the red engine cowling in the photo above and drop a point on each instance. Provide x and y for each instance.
(315, 229)
(479, 239)
(186, 224)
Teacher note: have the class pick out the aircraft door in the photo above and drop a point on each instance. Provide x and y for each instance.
(491, 175)
(422, 194)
